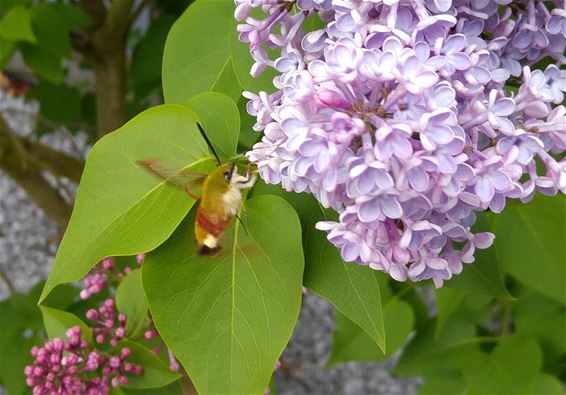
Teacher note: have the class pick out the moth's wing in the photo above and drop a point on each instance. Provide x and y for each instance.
(178, 178)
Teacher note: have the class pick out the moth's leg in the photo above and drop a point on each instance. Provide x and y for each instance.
(188, 192)
(249, 179)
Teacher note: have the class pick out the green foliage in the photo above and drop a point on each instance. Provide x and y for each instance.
(50, 29)
(227, 318)
(352, 343)
(20, 329)
(43, 62)
(242, 65)
(485, 275)
(148, 54)
(16, 25)
(197, 55)
(57, 322)
(155, 372)
(511, 368)
(118, 200)
(352, 289)
(219, 115)
(130, 300)
(58, 103)
(530, 244)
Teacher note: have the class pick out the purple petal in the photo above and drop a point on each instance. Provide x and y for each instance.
(460, 61)
(484, 189)
(391, 208)
(503, 107)
(369, 211)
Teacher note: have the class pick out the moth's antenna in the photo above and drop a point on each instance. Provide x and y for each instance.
(205, 137)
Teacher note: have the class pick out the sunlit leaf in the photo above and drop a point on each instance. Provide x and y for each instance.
(197, 57)
(220, 116)
(120, 208)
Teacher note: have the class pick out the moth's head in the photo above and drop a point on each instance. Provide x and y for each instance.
(221, 178)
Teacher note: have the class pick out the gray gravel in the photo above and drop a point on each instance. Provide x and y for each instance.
(28, 241)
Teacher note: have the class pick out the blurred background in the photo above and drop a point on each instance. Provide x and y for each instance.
(72, 71)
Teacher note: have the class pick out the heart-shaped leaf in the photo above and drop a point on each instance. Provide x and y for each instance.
(228, 318)
(120, 208)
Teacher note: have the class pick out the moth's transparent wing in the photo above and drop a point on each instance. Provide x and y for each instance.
(185, 179)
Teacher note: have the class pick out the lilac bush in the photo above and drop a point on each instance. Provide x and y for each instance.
(408, 117)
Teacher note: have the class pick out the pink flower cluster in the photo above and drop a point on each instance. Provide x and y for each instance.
(111, 324)
(68, 368)
(97, 280)
(409, 116)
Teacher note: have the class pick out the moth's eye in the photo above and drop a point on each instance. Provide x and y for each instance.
(227, 176)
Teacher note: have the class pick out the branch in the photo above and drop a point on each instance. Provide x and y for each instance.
(8, 282)
(112, 34)
(56, 162)
(24, 170)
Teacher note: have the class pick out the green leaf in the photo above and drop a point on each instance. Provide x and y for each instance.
(511, 367)
(58, 103)
(219, 115)
(120, 208)
(62, 297)
(14, 357)
(451, 384)
(172, 389)
(58, 321)
(353, 289)
(16, 25)
(46, 64)
(197, 54)
(483, 276)
(228, 318)
(7, 49)
(243, 61)
(20, 325)
(429, 355)
(130, 300)
(543, 318)
(546, 384)
(148, 53)
(155, 372)
(72, 16)
(352, 343)
(530, 244)
(50, 29)
(447, 301)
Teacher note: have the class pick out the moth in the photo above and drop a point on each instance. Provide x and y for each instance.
(221, 195)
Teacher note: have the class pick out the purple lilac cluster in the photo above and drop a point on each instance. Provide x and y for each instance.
(111, 325)
(409, 116)
(68, 368)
